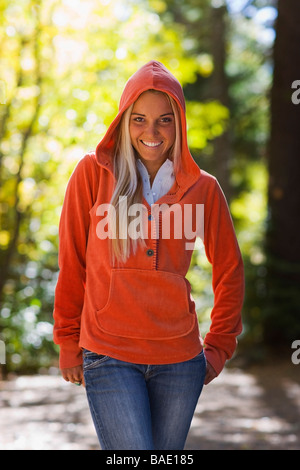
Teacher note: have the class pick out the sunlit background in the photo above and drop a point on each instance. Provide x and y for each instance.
(63, 65)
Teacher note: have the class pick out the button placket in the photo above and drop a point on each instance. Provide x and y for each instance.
(151, 251)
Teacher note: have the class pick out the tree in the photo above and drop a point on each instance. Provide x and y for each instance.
(282, 304)
(219, 90)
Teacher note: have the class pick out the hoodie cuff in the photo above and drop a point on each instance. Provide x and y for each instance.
(216, 358)
(70, 355)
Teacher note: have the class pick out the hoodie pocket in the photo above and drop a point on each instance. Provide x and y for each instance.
(146, 305)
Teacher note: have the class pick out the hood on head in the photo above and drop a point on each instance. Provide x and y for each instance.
(153, 75)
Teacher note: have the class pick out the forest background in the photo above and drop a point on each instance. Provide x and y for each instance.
(63, 66)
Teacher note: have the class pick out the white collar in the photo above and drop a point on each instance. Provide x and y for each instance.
(162, 183)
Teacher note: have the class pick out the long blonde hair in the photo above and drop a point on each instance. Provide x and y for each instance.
(129, 184)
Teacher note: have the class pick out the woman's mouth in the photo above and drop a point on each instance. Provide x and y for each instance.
(151, 144)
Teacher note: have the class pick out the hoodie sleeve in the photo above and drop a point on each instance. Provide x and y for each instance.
(73, 235)
(223, 253)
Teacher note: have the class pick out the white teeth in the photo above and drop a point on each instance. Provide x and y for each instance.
(152, 144)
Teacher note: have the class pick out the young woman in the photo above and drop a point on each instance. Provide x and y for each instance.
(124, 316)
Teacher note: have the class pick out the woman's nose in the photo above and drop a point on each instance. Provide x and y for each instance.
(152, 130)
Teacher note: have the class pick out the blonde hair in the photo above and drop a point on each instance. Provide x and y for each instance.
(129, 184)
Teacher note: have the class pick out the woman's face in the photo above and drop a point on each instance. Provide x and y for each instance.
(152, 128)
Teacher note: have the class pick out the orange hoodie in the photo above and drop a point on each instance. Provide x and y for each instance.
(142, 311)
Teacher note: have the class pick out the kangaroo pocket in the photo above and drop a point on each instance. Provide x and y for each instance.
(146, 305)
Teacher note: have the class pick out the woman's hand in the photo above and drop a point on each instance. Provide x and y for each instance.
(210, 373)
(74, 375)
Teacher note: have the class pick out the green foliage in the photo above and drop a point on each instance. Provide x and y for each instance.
(199, 276)
(64, 64)
(206, 121)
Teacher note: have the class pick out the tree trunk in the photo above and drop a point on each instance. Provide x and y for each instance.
(219, 91)
(15, 215)
(281, 313)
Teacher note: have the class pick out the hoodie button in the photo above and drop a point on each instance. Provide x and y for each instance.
(150, 252)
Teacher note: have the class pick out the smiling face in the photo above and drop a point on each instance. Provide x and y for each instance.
(152, 129)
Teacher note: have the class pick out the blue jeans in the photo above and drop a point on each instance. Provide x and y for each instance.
(142, 407)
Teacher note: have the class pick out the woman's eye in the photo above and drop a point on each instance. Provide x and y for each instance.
(138, 119)
(166, 120)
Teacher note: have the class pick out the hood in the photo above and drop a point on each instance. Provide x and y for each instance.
(153, 75)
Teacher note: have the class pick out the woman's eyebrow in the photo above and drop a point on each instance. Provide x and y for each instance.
(144, 115)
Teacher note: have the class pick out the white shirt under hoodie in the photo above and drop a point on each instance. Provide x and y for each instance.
(163, 181)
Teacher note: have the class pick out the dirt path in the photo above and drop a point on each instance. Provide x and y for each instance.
(254, 409)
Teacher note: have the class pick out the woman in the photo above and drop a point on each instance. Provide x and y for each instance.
(124, 317)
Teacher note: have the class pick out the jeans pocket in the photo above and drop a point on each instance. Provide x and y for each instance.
(92, 360)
